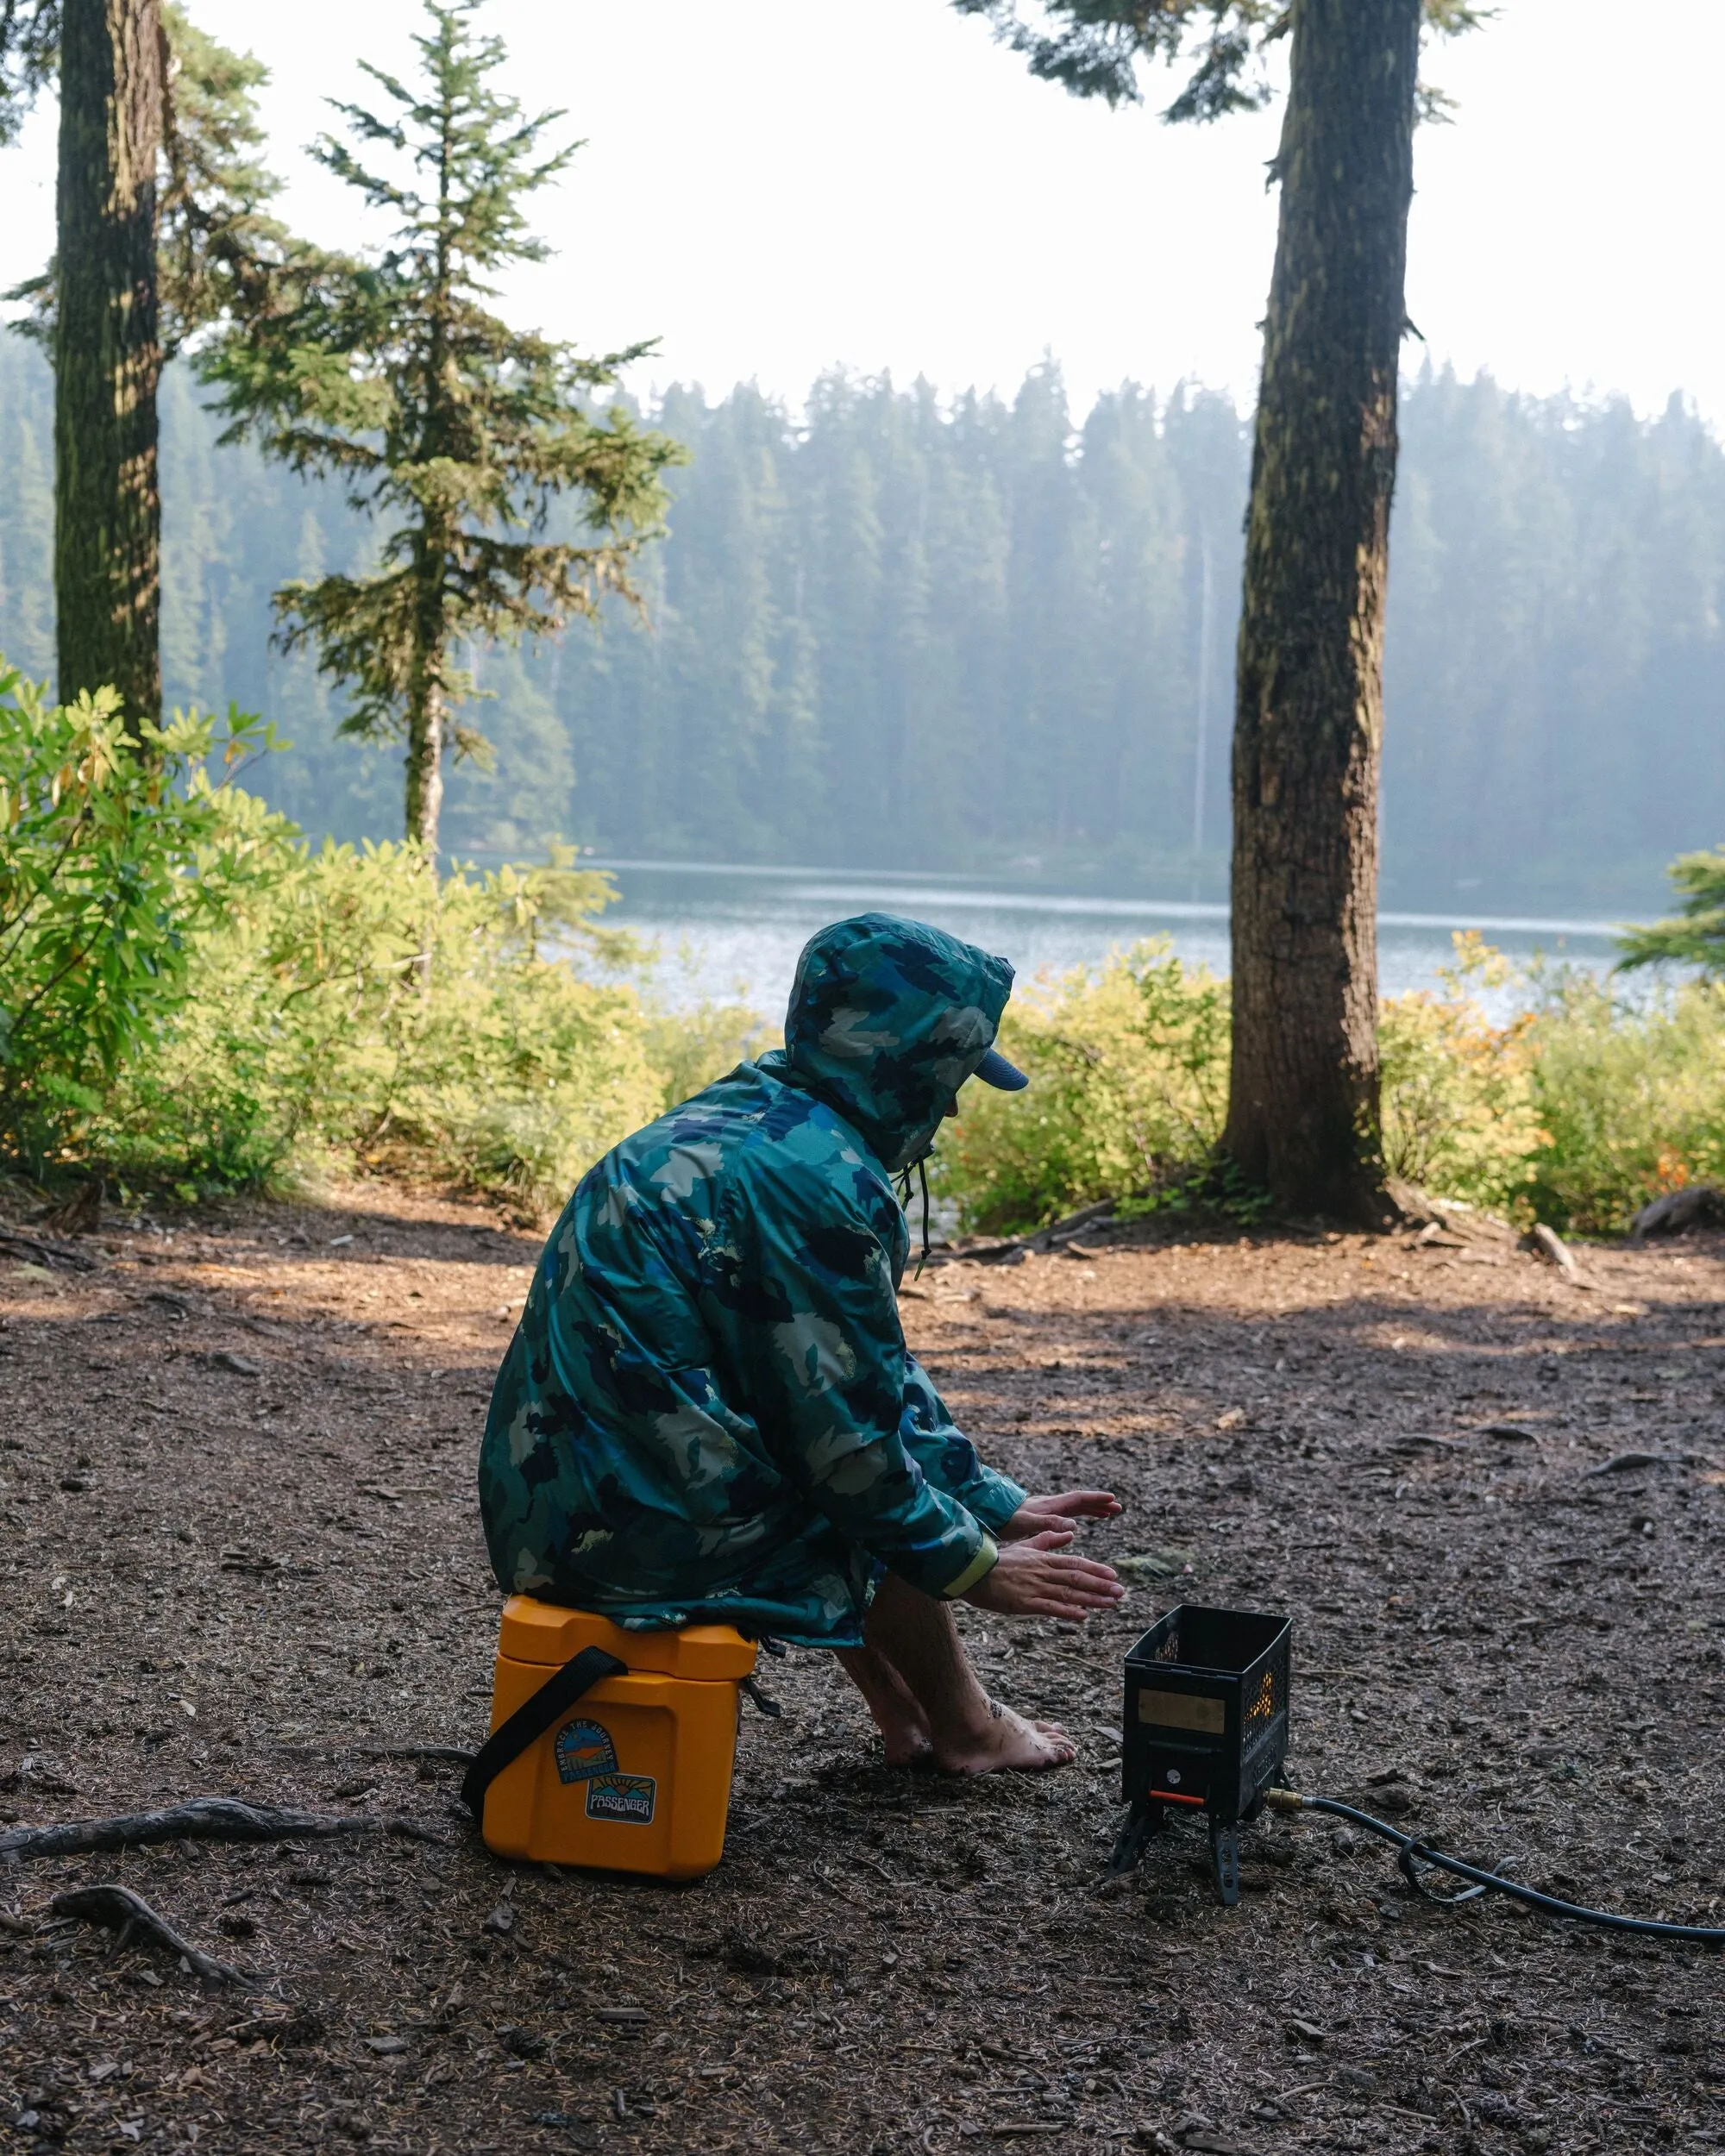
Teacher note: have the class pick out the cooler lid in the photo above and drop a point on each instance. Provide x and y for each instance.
(543, 1633)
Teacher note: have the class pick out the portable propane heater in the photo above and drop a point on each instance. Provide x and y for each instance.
(1206, 1729)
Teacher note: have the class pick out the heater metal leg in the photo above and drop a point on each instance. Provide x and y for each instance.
(1225, 1861)
(1144, 1820)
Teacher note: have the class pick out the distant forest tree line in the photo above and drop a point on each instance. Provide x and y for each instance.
(968, 635)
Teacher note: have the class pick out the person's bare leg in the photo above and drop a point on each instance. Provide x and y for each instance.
(969, 1732)
(898, 1716)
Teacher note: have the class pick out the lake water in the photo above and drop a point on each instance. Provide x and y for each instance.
(729, 933)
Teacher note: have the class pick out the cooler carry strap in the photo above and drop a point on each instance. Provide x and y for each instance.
(532, 1719)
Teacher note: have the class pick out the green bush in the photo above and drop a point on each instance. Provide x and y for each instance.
(1577, 1111)
(1128, 1068)
(1631, 1095)
(191, 997)
(360, 1013)
(116, 857)
(1460, 1111)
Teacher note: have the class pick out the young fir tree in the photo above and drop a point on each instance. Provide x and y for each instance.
(1695, 935)
(394, 376)
(1303, 1120)
(159, 201)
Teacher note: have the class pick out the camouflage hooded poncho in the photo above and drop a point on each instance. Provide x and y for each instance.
(708, 1412)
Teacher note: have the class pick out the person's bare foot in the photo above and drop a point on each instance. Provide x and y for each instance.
(1006, 1741)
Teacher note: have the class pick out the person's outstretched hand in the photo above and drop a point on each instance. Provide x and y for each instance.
(1062, 1511)
(1040, 1576)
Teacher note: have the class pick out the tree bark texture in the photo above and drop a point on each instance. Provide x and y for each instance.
(1303, 1098)
(108, 355)
(427, 698)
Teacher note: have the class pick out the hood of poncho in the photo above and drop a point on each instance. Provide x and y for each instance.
(887, 1019)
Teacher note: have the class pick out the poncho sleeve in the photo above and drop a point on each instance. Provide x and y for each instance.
(824, 1367)
(948, 1458)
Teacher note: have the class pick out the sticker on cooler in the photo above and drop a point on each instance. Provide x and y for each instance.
(584, 1749)
(628, 1799)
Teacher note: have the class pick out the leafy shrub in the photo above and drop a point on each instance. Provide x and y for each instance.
(1460, 1116)
(1632, 1096)
(1576, 1111)
(360, 1010)
(191, 996)
(690, 1049)
(115, 857)
(1128, 1068)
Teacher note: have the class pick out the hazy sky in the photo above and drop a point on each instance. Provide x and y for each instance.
(775, 187)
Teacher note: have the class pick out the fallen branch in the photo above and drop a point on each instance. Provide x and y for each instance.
(121, 1910)
(1012, 1248)
(50, 1254)
(202, 1819)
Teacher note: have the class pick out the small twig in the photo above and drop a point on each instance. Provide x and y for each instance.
(833, 1887)
(121, 1910)
(202, 1819)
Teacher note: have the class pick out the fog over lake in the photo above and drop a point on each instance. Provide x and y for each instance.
(729, 933)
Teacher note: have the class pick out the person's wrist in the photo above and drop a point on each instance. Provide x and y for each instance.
(986, 1558)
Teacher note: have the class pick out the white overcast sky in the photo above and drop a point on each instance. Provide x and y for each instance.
(775, 187)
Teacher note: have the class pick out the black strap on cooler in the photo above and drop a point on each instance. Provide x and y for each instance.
(532, 1719)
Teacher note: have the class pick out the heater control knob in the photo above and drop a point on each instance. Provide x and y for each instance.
(1172, 1777)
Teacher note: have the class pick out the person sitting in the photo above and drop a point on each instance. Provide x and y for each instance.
(708, 1413)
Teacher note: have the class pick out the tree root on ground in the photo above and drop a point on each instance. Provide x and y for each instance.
(202, 1819)
(121, 1910)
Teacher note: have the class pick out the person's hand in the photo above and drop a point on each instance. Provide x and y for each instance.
(1040, 1576)
(1062, 1511)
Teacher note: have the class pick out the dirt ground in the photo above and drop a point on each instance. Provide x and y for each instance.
(239, 1554)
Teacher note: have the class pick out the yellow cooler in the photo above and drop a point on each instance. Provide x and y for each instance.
(635, 1775)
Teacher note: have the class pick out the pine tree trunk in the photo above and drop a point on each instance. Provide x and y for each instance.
(428, 707)
(107, 355)
(1303, 1097)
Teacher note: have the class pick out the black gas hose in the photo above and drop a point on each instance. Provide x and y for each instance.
(1411, 1853)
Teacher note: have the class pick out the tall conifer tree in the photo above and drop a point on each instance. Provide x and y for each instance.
(394, 376)
(1303, 1101)
(158, 200)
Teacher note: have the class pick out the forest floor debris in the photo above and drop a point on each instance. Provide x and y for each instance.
(240, 1558)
